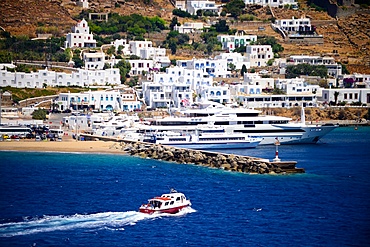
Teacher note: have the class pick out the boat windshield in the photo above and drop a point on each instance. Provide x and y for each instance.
(155, 203)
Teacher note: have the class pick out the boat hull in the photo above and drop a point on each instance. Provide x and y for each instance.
(173, 210)
(308, 134)
(207, 146)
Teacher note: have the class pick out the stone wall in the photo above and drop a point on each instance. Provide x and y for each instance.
(229, 162)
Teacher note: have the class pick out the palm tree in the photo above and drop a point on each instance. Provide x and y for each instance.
(336, 94)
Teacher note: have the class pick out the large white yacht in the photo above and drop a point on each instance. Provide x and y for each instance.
(244, 120)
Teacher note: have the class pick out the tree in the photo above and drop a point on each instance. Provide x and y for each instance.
(172, 45)
(336, 94)
(124, 69)
(39, 114)
(221, 26)
(293, 71)
(243, 70)
(173, 23)
(235, 8)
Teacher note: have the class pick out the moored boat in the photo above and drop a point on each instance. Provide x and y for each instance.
(243, 120)
(170, 203)
(204, 138)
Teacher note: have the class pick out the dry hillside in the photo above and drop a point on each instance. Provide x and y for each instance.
(349, 37)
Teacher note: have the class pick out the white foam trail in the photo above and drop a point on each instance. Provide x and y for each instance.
(106, 220)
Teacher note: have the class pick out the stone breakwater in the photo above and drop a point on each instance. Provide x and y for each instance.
(229, 162)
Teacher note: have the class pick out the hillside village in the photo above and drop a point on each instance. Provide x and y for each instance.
(273, 54)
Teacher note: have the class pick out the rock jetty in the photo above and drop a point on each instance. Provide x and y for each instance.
(228, 162)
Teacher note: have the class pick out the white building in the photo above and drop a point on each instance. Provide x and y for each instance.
(360, 80)
(234, 58)
(166, 94)
(145, 50)
(83, 3)
(94, 60)
(80, 36)
(294, 25)
(141, 66)
(278, 100)
(157, 54)
(180, 5)
(334, 68)
(123, 44)
(112, 100)
(219, 94)
(348, 95)
(253, 84)
(213, 67)
(272, 3)
(192, 6)
(231, 42)
(296, 86)
(176, 86)
(136, 46)
(259, 55)
(41, 78)
(190, 27)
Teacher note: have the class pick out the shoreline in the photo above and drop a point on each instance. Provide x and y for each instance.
(104, 147)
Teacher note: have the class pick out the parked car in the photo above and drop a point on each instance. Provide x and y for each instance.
(30, 136)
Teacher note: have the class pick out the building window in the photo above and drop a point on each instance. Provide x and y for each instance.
(345, 96)
(356, 95)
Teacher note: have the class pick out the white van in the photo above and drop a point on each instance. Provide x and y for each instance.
(56, 132)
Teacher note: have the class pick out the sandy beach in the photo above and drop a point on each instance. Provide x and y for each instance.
(63, 146)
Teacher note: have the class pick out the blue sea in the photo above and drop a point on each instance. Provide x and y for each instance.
(77, 199)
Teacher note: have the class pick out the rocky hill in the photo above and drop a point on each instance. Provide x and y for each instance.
(347, 39)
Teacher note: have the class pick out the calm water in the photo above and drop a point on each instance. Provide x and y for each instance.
(59, 199)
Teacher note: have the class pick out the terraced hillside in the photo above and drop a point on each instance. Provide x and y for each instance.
(347, 39)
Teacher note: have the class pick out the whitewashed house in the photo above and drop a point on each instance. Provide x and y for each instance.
(190, 27)
(334, 68)
(231, 42)
(294, 25)
(360, 80)
(272, 3)
(348, 95)
(83, 3)
(166, 94)
(176, 86)
(112, 100)
(145, 50)
(192, 6)
(94, 60)
(125, 46)
(296, 86)
(253, 84)
(180, 5)
(138, 45)
(234, 58)
(220, 94)
(157, 54)
(41, 78)
(141, 66)
(259, 55)
(213, 67)
(80, 36)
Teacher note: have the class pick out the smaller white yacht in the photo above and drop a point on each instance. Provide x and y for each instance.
(204, 138)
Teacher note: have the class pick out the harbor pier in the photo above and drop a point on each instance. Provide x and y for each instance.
(229, 162)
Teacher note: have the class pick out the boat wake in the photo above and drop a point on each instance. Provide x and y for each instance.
(98, 221)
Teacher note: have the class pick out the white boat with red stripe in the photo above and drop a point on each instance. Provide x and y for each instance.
(170, 203)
